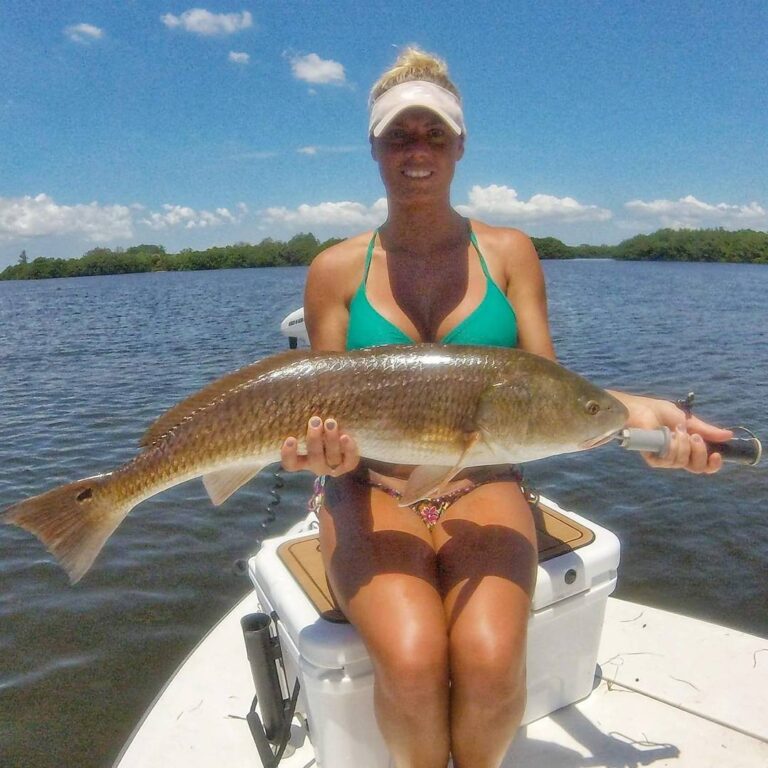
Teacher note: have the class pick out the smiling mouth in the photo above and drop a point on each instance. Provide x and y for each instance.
(416, 174)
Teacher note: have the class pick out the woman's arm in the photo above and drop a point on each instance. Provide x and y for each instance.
(327, 294)
(526, 291)
(329, 288)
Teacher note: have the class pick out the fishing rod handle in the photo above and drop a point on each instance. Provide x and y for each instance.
(738, 450)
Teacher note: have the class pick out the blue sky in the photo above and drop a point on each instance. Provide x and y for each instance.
(189, 126)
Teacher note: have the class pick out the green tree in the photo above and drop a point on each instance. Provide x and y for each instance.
(551, 248)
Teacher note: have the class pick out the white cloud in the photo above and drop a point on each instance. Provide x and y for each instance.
(501, 204)
(493, 203)
(202, 22)
(188, 218)
(238, 57)
(39, 216)
(343, 217)
(312, 69)
(83, 33)
(316, 149)
(690, 213)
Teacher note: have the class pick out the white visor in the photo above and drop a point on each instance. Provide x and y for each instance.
(416, 93)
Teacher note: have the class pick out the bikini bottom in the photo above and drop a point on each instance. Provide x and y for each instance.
(431, 510)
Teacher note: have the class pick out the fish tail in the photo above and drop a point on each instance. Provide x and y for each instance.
(73, 521)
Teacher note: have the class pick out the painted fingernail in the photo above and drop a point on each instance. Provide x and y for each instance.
(315, 422)
(697, 439)
(290, 442)
(330, 425)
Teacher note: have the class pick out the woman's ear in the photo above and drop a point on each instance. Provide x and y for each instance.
(373, 149)
(460, 148)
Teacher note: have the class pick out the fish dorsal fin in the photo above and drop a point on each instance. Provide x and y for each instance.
(220, 485)
(427, 481)
(210, 394)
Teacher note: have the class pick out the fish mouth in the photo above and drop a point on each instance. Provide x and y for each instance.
(602, 439)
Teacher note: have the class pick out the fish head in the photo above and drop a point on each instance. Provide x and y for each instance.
(600, 417)
(575, 412)
(542, 409)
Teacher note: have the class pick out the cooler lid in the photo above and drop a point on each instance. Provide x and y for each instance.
(303, 559)
(556, 533)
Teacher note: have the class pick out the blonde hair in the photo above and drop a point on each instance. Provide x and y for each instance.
(414, 64)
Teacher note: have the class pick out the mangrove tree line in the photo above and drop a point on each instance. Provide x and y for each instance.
(742, 246)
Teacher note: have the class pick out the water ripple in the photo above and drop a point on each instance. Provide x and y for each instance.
(87, 364)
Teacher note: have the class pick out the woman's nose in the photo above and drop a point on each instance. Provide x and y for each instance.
(418, 144)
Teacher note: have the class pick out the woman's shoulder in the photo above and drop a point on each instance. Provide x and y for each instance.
(343, 255)
(340, 267)
(506, 248)
(506, 239)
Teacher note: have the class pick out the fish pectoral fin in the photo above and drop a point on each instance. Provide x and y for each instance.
(221, 484)
(428, 481)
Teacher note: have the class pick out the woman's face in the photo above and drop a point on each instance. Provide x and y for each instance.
(417, 154)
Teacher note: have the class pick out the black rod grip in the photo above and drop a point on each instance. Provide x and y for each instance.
(739, 450)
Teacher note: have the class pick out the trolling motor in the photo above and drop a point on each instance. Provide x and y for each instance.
(746, 449)
(293, 327)
(272, 730)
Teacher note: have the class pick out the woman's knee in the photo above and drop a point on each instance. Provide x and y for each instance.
(490, 665)
(413, 664)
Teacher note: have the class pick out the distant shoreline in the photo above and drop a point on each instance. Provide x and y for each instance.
(744, 246)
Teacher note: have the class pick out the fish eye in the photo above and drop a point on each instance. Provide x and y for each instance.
(592, 408)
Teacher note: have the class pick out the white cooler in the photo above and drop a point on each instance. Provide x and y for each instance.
(578, 561)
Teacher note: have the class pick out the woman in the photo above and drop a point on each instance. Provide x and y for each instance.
(440, 591)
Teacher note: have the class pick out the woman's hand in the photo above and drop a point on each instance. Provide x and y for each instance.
(690, 435)
(328, 451)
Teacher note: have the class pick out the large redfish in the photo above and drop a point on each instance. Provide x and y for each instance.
(440, 408)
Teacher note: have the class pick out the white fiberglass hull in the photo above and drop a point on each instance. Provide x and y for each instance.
(669, 690)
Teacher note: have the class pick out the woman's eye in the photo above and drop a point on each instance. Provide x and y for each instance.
(401, 136)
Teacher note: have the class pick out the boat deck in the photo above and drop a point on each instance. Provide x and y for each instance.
(670, 691)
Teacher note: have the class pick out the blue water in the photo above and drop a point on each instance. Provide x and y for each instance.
(87, 363)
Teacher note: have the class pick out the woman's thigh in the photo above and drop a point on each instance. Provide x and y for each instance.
(382, 567)
(487, 557)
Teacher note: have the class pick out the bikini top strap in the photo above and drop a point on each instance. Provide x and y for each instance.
(369, 255)
(473, 240)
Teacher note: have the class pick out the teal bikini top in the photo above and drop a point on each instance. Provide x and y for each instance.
(492, 323)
